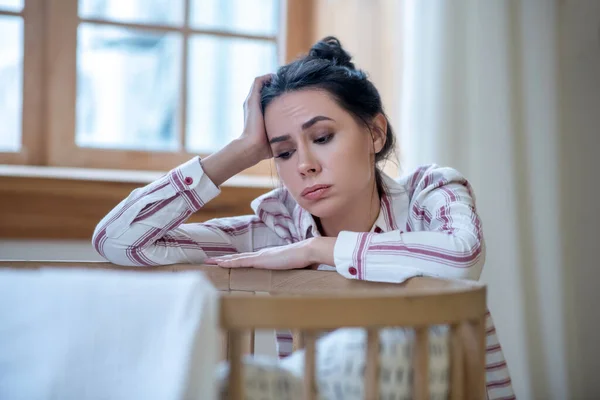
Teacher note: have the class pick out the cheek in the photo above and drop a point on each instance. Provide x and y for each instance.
(289, 177)
(351, 157)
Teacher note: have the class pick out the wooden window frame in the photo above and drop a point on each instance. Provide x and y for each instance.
(50, 75)
(32, 143)
(67, 203)
(42, 200)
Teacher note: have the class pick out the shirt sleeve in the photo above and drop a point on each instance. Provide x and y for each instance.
(443, 237)
(147, 228)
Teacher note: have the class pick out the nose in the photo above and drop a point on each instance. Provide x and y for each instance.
(308, 165)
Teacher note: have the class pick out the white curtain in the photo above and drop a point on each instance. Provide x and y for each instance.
(480, 93)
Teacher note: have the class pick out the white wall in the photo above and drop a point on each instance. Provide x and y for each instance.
(508, 92)
(579, 24)
(544, 290)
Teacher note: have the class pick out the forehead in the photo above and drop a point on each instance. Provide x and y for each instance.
(292, 109)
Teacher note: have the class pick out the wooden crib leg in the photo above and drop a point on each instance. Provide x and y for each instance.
(309, 339)
(457, 368)
(372, 365)
(252, 341)
(248, 337)
(297, 340)
(421, 364)
(479, 327)
(473, 334)
(224, 343)
(236, 379)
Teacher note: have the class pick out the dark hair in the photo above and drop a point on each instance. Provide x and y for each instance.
(327, 66)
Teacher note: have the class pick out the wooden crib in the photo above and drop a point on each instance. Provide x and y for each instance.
(310, 302)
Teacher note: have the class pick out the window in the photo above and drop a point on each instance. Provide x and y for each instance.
(20, 66)
(136, 84)
(11, 78)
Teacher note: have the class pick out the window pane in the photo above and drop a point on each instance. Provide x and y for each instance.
(11, 5)
(127, 88)
(137, 11)
(220, 73)
(11, 82)
(259, 17)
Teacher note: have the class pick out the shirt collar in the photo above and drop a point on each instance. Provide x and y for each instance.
(307, 225)
(385, 221)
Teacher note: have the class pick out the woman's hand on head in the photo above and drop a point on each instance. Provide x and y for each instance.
(254, 135)
(247, 150)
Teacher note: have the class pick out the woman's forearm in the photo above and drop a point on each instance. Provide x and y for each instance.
(227, 162)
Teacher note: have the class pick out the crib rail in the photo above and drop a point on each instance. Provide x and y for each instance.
(310, 302)
(461, 306)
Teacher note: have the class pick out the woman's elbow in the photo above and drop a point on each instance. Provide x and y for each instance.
(113, 251)
(472, 272)
(463, 258)
(472, 259)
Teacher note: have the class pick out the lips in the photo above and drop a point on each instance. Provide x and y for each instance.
(313, 189)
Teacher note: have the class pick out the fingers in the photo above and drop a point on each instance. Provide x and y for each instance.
(241, 260)
(257, 86)
(260, 81)
(245, 262)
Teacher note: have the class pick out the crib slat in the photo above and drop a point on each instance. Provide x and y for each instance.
(297, 340)
(248, 336)
(479, 328)
(224, 343)
(309, 339)
(252, 339)
(457, 376)
(473, 335)
(421, 364)
(372, 365)
(236, 386)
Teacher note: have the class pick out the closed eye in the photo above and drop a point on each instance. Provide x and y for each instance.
(324, 139)
(285, 155)
(321, 140)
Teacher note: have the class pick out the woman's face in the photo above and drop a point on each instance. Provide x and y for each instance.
(323, 156)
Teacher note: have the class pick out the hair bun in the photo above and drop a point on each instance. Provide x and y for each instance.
(331, 49)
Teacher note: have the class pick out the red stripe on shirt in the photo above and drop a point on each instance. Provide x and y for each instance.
(498, 384)
(360, 255)
(102, 231)
(135, 251)
(495, 366)
(421, 213)
(431, 251)
(153, 209)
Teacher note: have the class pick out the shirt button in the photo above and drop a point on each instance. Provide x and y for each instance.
(188, 180)
(352, 271)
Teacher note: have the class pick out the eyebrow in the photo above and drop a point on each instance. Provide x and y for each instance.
(305, 126)
(314, 120)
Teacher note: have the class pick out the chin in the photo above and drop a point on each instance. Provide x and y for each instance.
(323, 208)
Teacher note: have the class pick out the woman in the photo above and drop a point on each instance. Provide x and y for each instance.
(323, 122)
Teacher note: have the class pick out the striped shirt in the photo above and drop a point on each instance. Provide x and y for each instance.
(427, 225)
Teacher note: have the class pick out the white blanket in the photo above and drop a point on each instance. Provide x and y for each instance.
(92, 334)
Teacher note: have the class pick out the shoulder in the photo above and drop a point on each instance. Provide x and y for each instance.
(432, 179)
